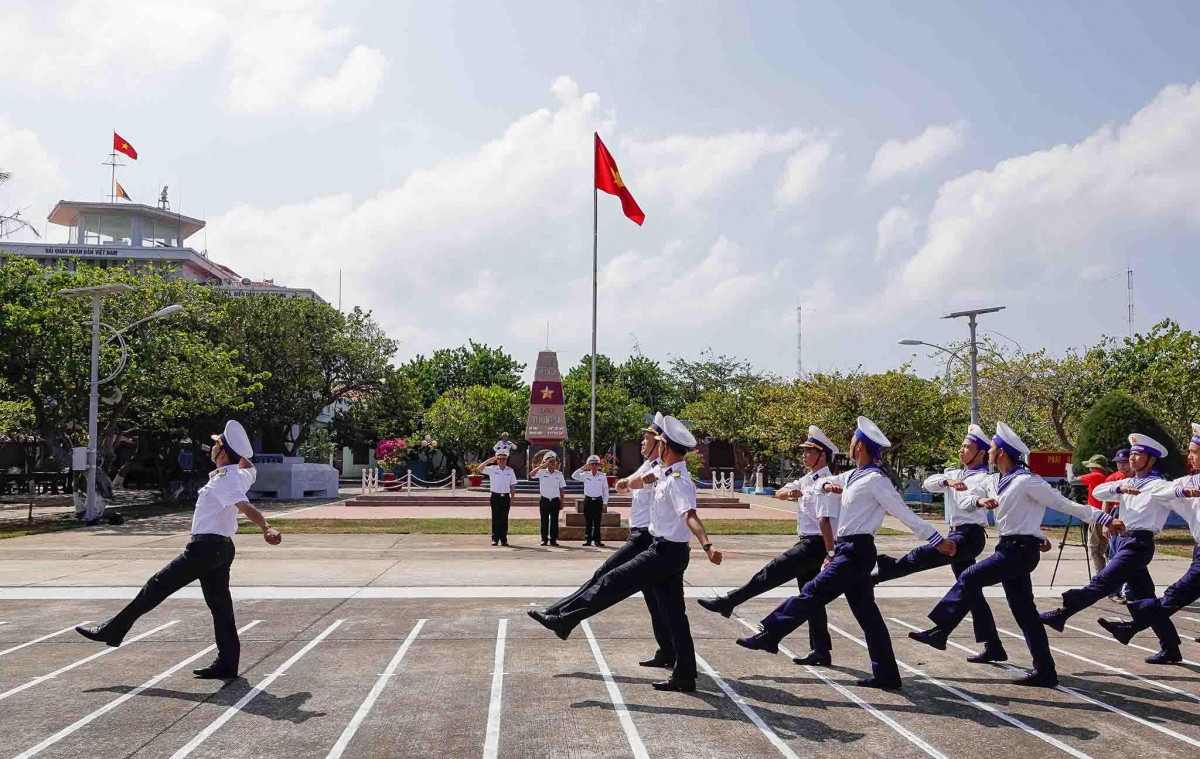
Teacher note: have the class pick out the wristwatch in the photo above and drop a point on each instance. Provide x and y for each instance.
(829, 554)
(706, 546)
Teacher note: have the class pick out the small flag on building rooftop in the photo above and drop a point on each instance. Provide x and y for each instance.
(608, 179)
(122, 146)
(122, 194)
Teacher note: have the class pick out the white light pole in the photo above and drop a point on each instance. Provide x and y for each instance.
(953, 354)
(95, 293)
(970, 315)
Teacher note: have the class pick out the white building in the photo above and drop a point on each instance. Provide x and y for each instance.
(131, 235)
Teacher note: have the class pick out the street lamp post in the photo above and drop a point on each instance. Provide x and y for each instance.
(953, 354)
(95, 293)
(970, 315)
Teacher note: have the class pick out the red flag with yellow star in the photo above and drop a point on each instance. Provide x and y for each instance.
(121, 146)
(608, 179)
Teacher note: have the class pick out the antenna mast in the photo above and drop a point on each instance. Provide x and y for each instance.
(1129, 298)
(799, 344)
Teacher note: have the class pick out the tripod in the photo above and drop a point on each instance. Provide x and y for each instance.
(1076, 492)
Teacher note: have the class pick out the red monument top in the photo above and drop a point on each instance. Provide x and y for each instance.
(547, 422)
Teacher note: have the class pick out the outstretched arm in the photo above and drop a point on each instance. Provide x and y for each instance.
(270, 534)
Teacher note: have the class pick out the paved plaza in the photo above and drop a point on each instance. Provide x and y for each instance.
(419, 645)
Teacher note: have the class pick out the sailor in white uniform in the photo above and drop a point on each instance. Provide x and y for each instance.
(595, 498)
(1149, 612)
(816, 524)
(552, 491)
(502, 487)
(1020, 499)
(968, 530)
(867, 493)
(207, 557)
(673, 521)
(639, 540)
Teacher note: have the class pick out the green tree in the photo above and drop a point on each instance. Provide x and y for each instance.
(468, 421)
(618, 416)
(1109, 422)
(710, 373)
(473, 364)
(391, 409)
(648, 383)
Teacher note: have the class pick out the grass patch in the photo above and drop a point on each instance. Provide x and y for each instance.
(16, 528)
(453, 526)
(1175, 541)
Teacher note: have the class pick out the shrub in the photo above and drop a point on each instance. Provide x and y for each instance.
(1106, 427)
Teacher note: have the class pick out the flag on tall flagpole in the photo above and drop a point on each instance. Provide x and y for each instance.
(122, 194)
(121, 145)
(608, 179)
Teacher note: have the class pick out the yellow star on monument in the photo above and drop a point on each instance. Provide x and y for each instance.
(547, 392)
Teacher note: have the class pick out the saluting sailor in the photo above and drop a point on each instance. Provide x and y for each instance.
(1152, 612)
(552, 491)
(968, 530)
(595, 496)
(1020, 499)
(1145, 500)
(207, 557)
(639, 540)
(502, 484)
(867, 492)
(504, 444)
(673, 520)
(816, 523)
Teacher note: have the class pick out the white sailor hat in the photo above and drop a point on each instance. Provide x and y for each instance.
(549, 456)
(870, 434)
(977, 437)
(1010, 441)
(501, 451)
(1195, 434)
(676, 434)
(235, 440)
(820, 441)
(1139, 443)
(593, 459)
(654, 423)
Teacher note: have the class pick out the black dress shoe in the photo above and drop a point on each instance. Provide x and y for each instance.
(587, 542)
(96, 633)
(1037, 679)
(657, 661)
(599, 544)
(814, 659)
(1056, 619)
(503, 542)
(554, 542)
(1169, 655)
(720, 605)
(495, 542)
(545, 542)
(1123, 632)
(759, 642)
(875, 682)
(932, 637)
(992, 652)
(683, 686)
(216, 671)
(552, 622)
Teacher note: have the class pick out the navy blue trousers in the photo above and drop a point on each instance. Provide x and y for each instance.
(659, 568)
(849, 574)
(1153, 612)
(1129, 557)
(639, 540)
(1010, 566)
(802, 562)
(970, 540)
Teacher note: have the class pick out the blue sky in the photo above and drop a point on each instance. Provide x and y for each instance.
(877, 163)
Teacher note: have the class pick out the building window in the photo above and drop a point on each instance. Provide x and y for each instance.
(90, 224)
(362, 455)
(156, 234)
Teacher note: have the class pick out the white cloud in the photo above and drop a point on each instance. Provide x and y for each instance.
(1034, 222)
(688, 168)
(37, 180)
(802, 173)
(276, 55)
(897, 157)
(896, 228)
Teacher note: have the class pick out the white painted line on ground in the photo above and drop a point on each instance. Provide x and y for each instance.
(365, 708)
(1110, 668)
(232, 711)
(294, 592)
(120, 700)
(614, 694)
(750, 713)
(85, 660)
(1110, 639)
(975, 702)
(910, 736)
(39, 640)
(491, 741)
(1075, 694)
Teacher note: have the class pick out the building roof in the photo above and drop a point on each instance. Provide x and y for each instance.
(65, 212)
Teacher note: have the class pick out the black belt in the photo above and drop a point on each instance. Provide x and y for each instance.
(856, 539)
(208, 537)
(968, 526)
(1140, 534)
(1025, 539)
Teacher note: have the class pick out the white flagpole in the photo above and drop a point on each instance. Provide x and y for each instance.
(595, 251)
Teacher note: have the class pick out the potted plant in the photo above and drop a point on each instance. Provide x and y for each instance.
(474, 478)
(391, 454)
(609, 465)
(695, 462)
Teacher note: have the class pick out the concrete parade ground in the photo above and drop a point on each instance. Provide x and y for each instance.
(419, 645)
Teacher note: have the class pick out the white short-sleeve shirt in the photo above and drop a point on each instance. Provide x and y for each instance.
(551, 484)
(674, 497)
(500, 480)
(814, 503)
(216, 504)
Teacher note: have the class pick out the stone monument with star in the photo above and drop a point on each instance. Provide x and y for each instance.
(546, 426)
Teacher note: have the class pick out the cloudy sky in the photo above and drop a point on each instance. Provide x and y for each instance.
(878, 164)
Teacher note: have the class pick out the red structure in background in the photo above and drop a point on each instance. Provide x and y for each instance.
(1049, 463)
(546, 425)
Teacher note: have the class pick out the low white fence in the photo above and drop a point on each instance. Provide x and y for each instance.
(372, 484)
